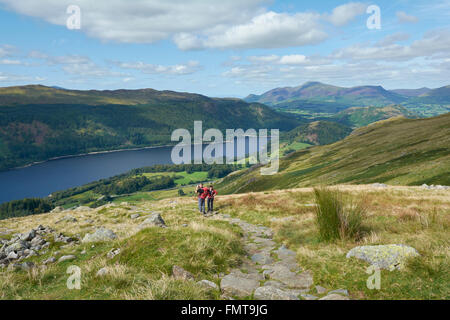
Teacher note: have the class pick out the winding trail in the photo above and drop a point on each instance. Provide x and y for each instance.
(269, 272)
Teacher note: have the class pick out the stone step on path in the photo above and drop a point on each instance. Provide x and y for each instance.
(271, 272)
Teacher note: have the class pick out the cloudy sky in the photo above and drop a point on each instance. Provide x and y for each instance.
(223, 48)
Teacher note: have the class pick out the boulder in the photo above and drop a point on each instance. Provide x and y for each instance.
(272, 293)
(66, 258)
(100, 235)
(112, 253)
(28, 236)
(50, 260)
(181, 274)
(208, 284)
(135, 216)
(12, 256)
(154, 220)
(387, 257)
(37, 241)
(102, 272)
(19, 245)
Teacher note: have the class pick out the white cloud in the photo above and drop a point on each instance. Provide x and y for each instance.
(178, 69)
(393, 38)
(345, 13)
(403, 17)
(267, 30)
(194, 24)
(7, 50)
(293, 59)
(433, 43)
(141, 21)
(10, 62)
(264, 59)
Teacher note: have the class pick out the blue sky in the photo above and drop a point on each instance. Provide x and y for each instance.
(224, 48)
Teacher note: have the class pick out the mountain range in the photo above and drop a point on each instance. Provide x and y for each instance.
(316, 97)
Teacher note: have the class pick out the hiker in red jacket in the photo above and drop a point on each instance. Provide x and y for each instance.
(202, 194)
(211, 194)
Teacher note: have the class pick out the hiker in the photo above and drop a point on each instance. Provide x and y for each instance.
(211, 194)
(202, 193)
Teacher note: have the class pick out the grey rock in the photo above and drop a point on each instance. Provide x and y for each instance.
(102, 272)
(261, 258)
(276, 284)
(236, 286)
(38, 241)
(135, 216)
(50, 260)
(100, 235)
(283, 274)
(28, 236)
(66, 258)
(387, 257)
(339, 291)
(273, 293)
(20, 245)
(321, 290)
(334, 296)
(181, 274)
(154, 220)
(285, 253)
(12, 256)
(208, 284)
(250, 274)
(112, 253)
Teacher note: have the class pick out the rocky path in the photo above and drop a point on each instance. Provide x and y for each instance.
(270, 271)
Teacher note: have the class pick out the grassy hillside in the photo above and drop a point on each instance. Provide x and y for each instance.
(65, 122)
(210, 248)
(398, 151)
(318, 133)
(363, 116)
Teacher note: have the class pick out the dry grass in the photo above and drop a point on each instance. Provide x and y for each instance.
(408, 215)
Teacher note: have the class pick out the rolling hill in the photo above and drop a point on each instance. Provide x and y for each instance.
(398, 151)
(363, 116)
(318, 133)
(38, 123)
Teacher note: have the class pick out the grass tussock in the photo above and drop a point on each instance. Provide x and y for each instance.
(339, 216)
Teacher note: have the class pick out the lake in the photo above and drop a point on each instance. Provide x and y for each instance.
(42, 179)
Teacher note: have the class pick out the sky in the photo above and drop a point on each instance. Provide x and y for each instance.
(223, 48)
